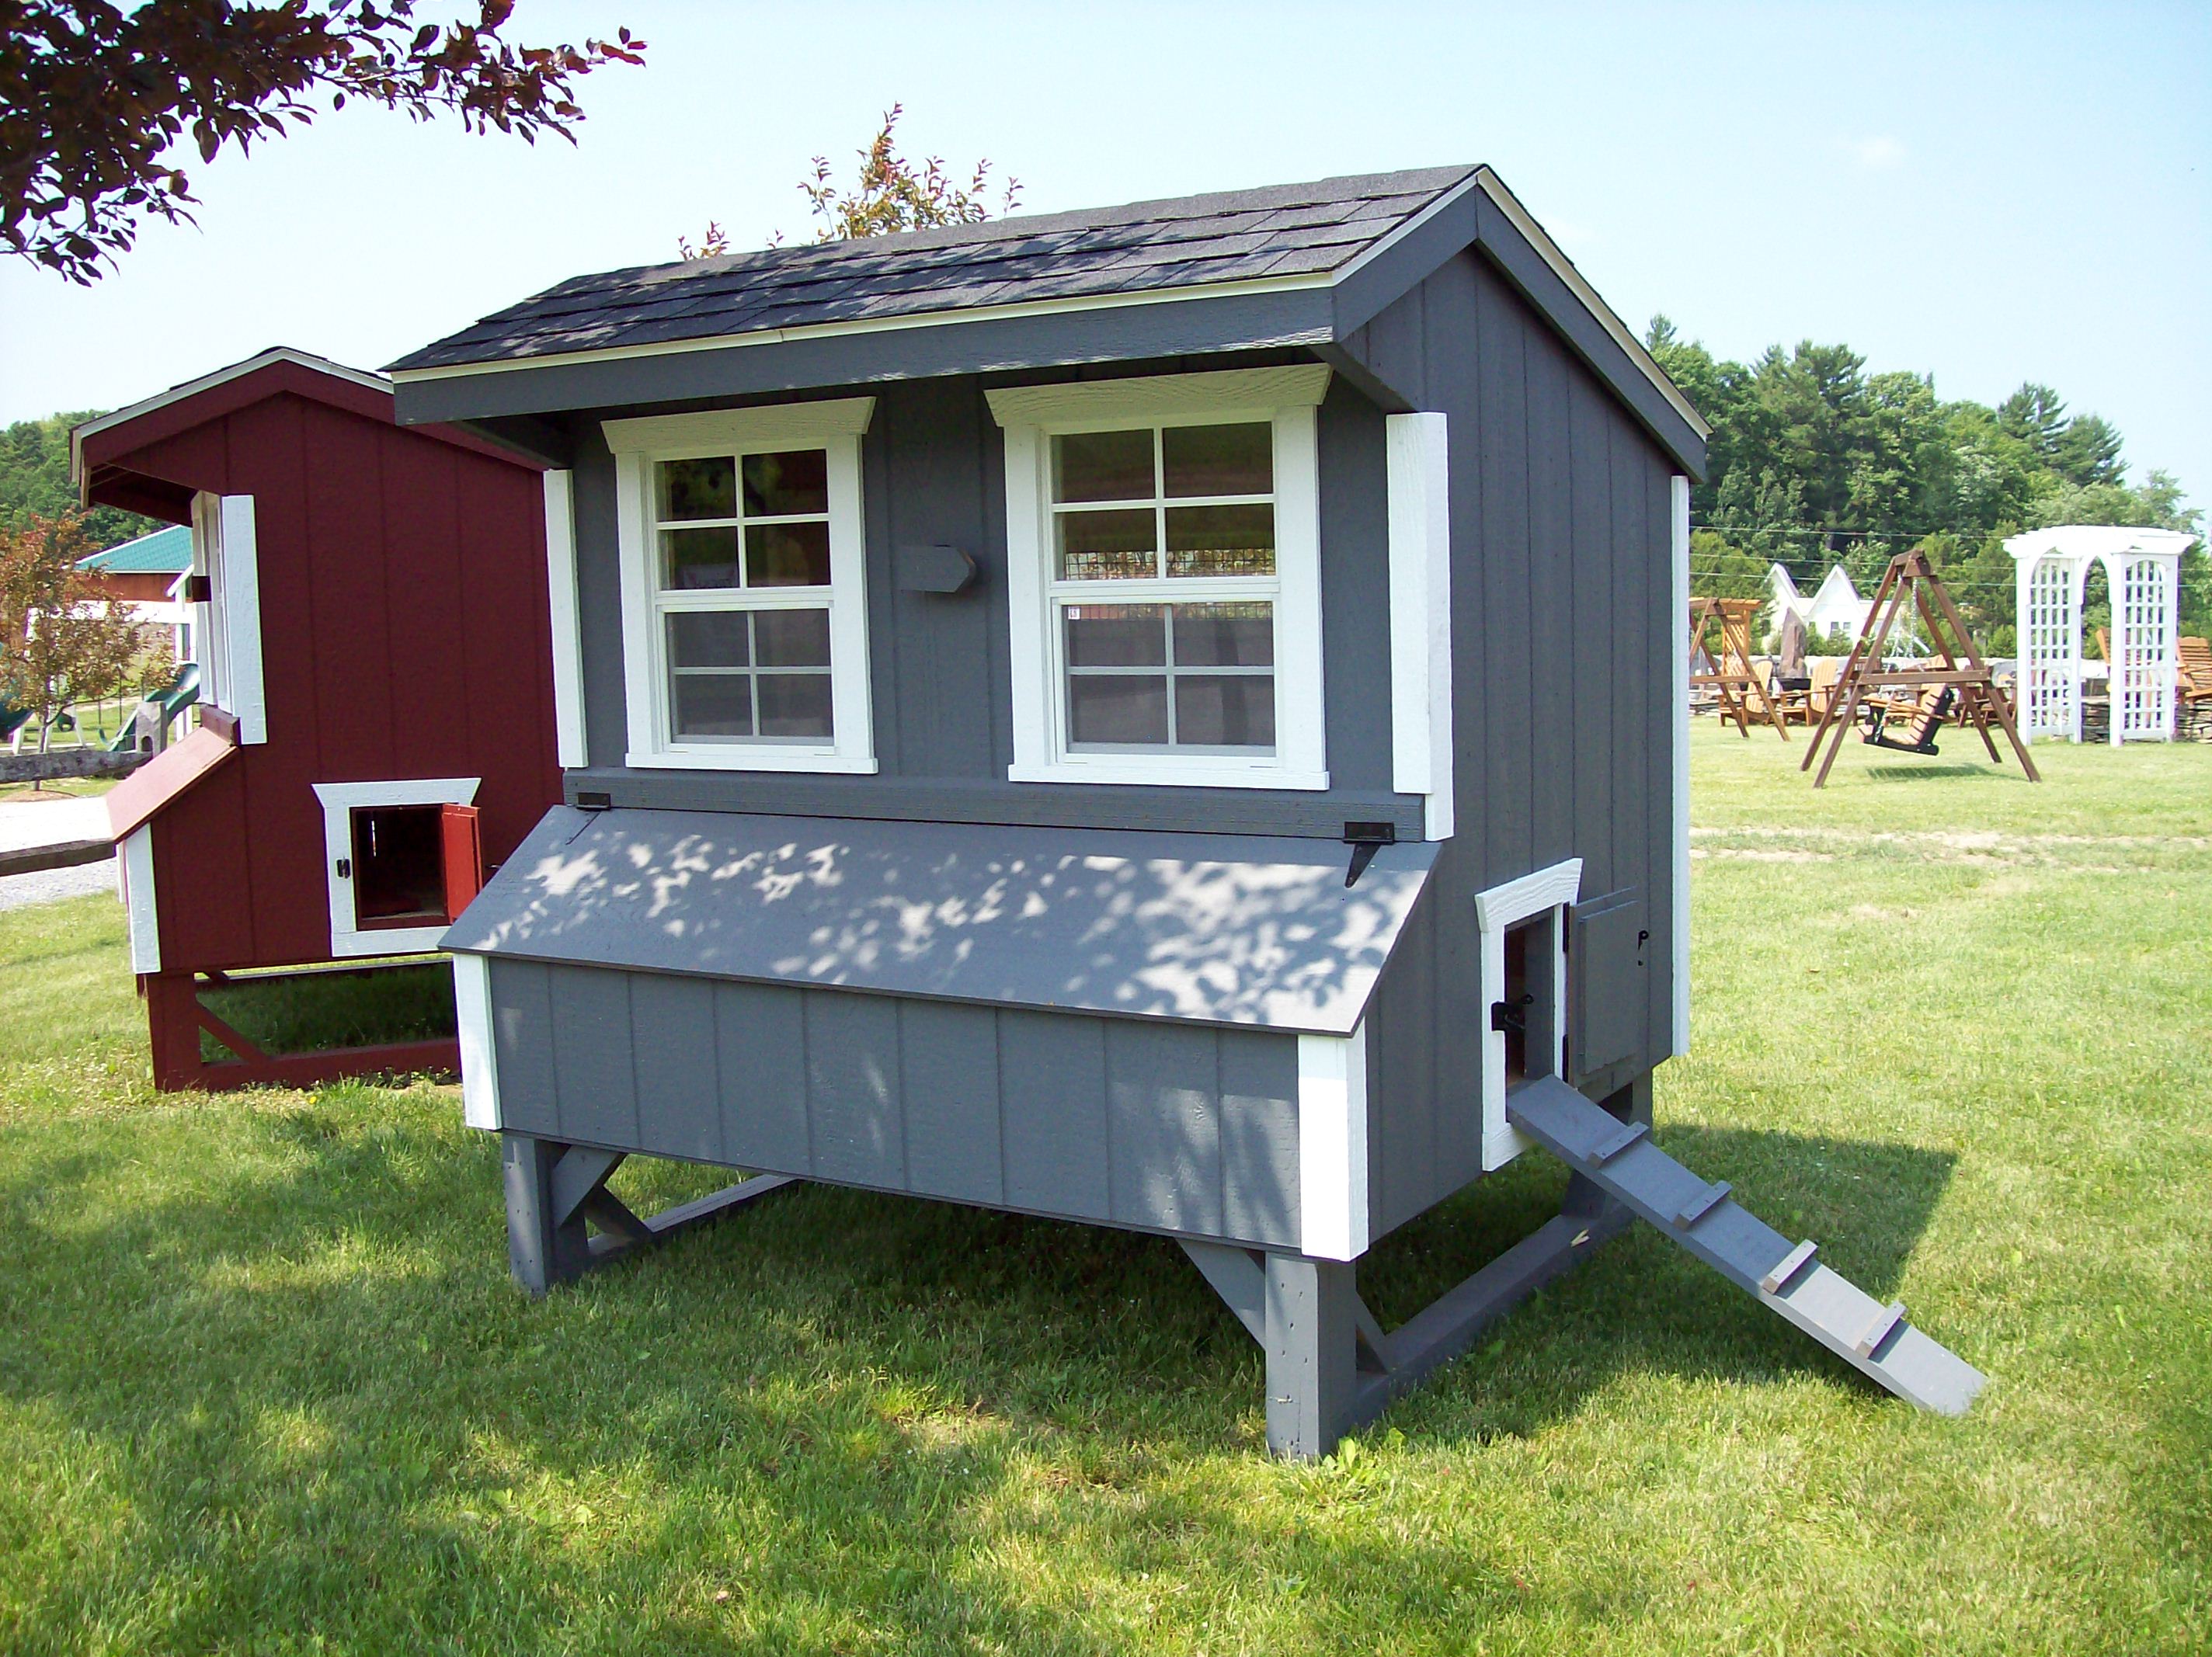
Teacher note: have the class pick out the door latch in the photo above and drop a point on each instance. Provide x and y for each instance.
(1511, 1016)
(345, 868)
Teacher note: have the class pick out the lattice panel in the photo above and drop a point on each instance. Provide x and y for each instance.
(2051, 636)
(2143, 645)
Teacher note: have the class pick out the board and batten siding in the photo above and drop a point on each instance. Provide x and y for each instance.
(1562, 630)
(933, 474)
(1133, 1122)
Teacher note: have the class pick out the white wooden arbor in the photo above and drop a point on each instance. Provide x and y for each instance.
(2143, 567)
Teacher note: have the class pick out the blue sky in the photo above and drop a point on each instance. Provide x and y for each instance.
(1990, 193)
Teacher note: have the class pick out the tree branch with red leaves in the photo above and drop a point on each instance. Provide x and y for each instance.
(94, 99)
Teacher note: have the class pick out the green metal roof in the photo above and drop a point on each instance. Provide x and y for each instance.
(165, 552)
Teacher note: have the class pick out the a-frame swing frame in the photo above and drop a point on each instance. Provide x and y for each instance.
(1911, 575)
(1732, 674)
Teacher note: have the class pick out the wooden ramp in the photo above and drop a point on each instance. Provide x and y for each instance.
(1704, 1219)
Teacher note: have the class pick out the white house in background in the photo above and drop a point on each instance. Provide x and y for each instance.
(145, 579)
(1834, 606)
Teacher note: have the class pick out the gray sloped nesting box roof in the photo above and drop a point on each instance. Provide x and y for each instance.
(1303, 267)
(1220, 929)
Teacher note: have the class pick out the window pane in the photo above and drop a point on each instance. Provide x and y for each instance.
(1224, 635)
(1107, 545)
(707, 639)
(698, 489)
(792, 638)
(1117, 635)
(1103, 466)
(711, 704)
(1117, 707)
(794, 482)
(698, 558)
(1221, 540)
(787, 555)
(794, 704)
(1219, 459)
(1225, 711)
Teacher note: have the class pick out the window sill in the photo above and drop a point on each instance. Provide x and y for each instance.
(752, 759)
(1158, 773)
(387, 940)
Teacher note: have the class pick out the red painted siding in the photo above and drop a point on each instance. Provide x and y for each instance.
(405, 633)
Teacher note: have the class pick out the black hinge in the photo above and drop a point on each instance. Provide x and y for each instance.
(1508, 1015)
(1366, 838)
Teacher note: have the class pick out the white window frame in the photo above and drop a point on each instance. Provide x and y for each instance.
(349, 938)
(227, 638)
(834, 426)
(1496, 912)
(1032, 415)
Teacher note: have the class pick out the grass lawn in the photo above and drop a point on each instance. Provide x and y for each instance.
(264, 1385)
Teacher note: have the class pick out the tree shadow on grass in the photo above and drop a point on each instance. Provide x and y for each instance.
(301, 1382)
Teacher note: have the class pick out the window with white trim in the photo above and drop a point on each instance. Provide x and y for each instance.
(744, 619)
(1164, 581)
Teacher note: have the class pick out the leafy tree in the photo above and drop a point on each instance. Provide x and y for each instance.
(1812, 461)
(891, 194)
(34, 481)
(93, 97)
(59, 641)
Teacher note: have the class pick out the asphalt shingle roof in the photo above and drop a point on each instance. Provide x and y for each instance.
(1284, 230)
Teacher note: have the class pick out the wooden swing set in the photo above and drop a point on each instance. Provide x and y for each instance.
(1729, 674)
(1971, 687)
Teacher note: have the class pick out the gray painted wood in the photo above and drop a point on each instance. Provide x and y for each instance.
(1562, 636)
(1052, 1075)
(855, 1104)
(529, 1098)
(592, 1060)
(1206, 928)
(1259, 1136)
(672, 1034)
(1179, 1128)
(759, 1046)
(948, 1080)
(1162, 1093)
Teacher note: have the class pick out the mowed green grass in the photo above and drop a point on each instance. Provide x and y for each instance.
(264, 1385)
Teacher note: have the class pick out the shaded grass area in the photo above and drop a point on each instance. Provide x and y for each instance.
(314, 1011)
(264, 1384)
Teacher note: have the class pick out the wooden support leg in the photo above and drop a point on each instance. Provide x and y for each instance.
(545, 1245)
(556, 1192)
(1313, 1373)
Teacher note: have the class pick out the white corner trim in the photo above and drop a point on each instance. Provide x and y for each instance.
(134, 874)
(1155, 396)
(570, 750)
(1495, 910)
(1419, 470)
(1530, 894)
(240, 599)
(479, 1050)
(348, 937)
(1333, 1217)
(737, 428)
(1678, 911)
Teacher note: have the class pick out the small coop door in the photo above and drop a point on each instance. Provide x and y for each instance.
(404, 859)
(1608, 990)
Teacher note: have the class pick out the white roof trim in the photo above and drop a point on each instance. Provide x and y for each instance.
(1564, 268)
(865, 325)
(374, 382)
(2099, 540)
